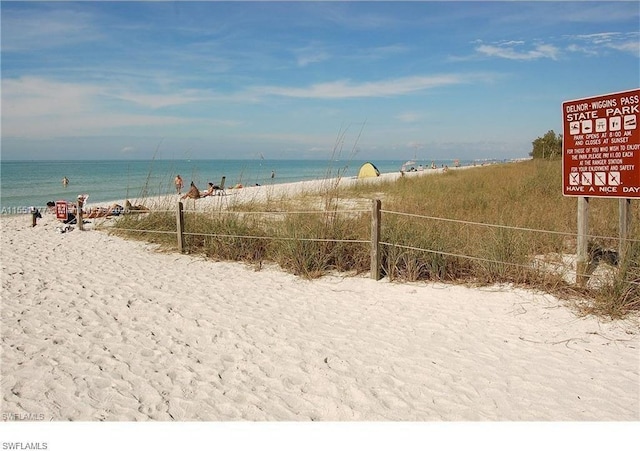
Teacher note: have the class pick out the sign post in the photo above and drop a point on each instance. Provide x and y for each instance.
(601, 157)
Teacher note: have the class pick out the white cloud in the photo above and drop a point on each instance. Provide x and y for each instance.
(312, 58)
(508, 50)
(311, 54)
(45, 29)
(33, 97)
(156, 101)
(82, 125)
(343, 89)
(408, 117)
(586, 50)
(632, 47)
(36, 107)
(595, 43)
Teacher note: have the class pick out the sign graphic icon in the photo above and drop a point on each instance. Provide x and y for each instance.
(615, 124)
(614, 178)
(601, 178)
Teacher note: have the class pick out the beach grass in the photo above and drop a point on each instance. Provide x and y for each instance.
(506, 223)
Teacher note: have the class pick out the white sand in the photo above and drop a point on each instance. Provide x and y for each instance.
(95, 327)
(248, 194)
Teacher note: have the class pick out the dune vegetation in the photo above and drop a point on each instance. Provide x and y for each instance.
(503, 223)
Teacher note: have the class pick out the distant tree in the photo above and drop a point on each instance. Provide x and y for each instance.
(547, 147)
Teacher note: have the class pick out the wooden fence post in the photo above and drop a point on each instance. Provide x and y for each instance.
(79, 214)
(376, 260)
(180, 227)
(624, 213)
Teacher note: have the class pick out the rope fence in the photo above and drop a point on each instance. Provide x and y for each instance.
(374, 240)
(505, 227)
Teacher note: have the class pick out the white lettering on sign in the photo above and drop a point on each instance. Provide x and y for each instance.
(608, 103)
(620, 140)
(580, 107)
(622, 111)
(582, 116)
(631, 100)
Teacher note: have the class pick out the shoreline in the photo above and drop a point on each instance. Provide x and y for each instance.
(251, 192)
(25, 185)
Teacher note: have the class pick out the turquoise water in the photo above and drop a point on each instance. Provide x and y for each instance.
(34, 183)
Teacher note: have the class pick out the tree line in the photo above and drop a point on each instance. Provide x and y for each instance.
(547, 147)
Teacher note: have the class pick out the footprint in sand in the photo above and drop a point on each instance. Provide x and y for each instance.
(337, 364)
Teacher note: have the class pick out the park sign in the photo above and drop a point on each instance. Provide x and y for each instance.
(62, 210)
(601, 146)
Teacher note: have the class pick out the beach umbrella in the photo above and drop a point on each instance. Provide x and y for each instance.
(408, 165)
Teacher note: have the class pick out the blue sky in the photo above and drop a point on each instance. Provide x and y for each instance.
(371, 80)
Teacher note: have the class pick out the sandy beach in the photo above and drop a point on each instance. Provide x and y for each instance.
(95, 327)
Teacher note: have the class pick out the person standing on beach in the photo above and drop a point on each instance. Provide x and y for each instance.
(179, 184)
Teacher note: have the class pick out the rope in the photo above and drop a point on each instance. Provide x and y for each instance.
(302, 212)
(324, 240)
(143, 230)
(525, 229)
(449, 254)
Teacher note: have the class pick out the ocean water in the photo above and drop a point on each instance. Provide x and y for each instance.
(34, 183)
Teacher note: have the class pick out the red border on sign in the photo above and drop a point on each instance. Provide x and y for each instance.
(601, 146)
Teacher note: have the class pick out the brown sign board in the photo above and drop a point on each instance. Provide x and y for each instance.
(601, 146)
(62, 210)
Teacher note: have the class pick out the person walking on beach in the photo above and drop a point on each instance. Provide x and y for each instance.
(179, 184)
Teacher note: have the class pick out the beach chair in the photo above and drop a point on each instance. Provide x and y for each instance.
(220, 190)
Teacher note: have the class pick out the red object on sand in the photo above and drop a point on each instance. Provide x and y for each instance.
(62, 210)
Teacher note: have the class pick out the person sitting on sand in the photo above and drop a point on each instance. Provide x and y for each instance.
(209, 192)
(193, 193)
(100, 212)
(128, 208)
